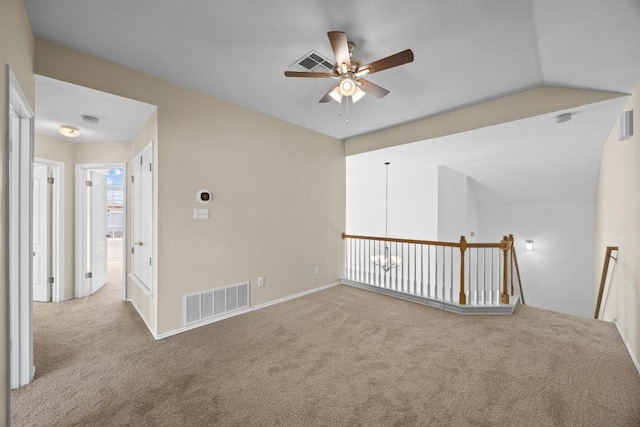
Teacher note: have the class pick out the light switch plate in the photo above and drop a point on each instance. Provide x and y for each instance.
(201, 214)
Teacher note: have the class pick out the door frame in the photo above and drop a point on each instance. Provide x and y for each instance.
(81, 226)
(58, 291)
(18, 229)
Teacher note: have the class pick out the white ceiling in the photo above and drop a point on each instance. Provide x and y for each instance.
(535, 160)
(61, 103)
(466, 52)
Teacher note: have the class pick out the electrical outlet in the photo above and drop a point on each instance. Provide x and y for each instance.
(317, 270)
(260, 281)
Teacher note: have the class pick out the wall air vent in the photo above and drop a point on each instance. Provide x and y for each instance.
(313, 61)
(216, 302)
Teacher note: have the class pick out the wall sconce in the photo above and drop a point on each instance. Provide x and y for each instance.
(528, 245)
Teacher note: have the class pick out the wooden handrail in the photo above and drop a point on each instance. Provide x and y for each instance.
(511, 246)
(515, 258)
(603, 278)
(422, 242)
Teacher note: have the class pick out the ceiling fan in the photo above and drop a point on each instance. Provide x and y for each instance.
(348, 71)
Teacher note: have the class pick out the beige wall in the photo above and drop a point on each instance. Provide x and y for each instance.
(16, 50)
(279, 189)
(70, 154)
(103, 152)
(618, 224)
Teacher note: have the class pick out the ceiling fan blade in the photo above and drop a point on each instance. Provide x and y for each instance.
(372, 88)
(327, 97)
(338, 41)
(394, 60)
(307, 74)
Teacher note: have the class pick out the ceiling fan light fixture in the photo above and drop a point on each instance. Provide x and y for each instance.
(69, 131)
(357, 95)
(347, 86)
(336, 95)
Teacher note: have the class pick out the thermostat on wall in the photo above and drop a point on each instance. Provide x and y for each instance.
(204, 196)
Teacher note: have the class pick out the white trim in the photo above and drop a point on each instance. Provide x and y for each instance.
(16, 95)
(466, 309)
(58, 234)
(140, 285)
(144, 319)
(148, 288)
(246, 310)
(80, 229)
(19, 176)
(626, 343)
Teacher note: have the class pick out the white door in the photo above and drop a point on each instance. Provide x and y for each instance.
(98, 230)
(41, 219)
(142, 212)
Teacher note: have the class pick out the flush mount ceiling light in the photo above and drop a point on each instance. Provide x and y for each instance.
(528, 245)
(69, 131)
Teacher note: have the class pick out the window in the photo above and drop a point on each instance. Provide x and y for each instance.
(115, 203)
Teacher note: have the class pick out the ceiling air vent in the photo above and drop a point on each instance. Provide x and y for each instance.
(313, 61)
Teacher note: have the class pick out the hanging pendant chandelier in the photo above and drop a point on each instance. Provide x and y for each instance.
(386, 261)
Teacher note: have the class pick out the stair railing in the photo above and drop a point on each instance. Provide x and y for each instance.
(514, 264)
(459, 272)
(603, 279)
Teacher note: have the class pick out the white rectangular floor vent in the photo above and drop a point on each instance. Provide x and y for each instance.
(216, 302)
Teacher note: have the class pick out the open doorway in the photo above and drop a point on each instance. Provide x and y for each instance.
(100, 227)
(44, 167)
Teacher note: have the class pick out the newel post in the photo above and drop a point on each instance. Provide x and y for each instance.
(463, 248)
(504, 245)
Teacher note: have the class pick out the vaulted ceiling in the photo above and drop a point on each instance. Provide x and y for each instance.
(466, 52)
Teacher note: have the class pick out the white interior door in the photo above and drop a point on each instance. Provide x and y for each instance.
(41, 221)
(98, 230)
(142, 213)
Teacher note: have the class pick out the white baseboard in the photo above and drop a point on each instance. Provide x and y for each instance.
(464, 309)
(144, 319)
(626, 343)
(239, 312)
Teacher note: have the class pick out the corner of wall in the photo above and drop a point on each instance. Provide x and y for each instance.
(616, 224)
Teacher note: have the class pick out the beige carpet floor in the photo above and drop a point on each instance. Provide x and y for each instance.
(341, 356)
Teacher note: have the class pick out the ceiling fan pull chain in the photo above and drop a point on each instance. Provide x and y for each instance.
(347, 98)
